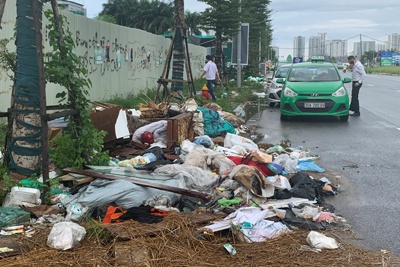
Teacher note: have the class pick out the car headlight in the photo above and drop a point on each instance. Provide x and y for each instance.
(340, 92)
(289, 92)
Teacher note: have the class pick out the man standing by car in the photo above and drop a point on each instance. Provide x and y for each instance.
(358, 75)
(211, 72)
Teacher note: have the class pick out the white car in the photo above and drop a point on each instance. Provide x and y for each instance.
(274, 89)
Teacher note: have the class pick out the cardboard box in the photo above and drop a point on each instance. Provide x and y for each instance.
(112, 120)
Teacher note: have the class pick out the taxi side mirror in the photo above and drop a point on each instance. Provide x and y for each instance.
(280, 80)
(347, 80)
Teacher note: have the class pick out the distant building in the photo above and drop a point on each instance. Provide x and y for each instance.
(314, 46)
(299, 46)
(75, 7)
(394, 42)
(322, 45)
(366, 46)
(336, 48)
(317, 45)
(381, 47)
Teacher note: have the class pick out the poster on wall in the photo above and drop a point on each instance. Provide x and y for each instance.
(98, 55)
(107, 56)
(119, 58)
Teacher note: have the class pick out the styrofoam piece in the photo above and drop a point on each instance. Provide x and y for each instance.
(25, 194)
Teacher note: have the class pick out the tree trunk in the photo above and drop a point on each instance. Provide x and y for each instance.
(178, 52)
(24, 146)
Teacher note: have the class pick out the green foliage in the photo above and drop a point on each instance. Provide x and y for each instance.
(8, 60)
(222, 16)
(81, 143)
(152, 16)
(106, 18)
(68, 151)
(3, 131)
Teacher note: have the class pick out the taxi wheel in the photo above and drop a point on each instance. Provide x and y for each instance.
(344, 118)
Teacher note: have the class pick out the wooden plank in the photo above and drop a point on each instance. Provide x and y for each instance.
(173, 189)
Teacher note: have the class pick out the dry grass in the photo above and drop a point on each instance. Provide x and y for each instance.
(180, 244)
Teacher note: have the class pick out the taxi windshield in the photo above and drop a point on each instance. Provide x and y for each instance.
(281, 72)
(313, 74)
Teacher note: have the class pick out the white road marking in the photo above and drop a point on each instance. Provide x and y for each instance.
(370, 84)
(398, 91)
(398, 129)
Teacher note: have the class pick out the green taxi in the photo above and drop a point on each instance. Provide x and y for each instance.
(314, 89)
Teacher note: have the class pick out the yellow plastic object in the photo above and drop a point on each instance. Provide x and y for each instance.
(204, 88)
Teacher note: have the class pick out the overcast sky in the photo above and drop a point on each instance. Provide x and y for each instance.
(340, 19)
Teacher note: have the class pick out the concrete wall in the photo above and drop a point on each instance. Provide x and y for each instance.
(132, 59)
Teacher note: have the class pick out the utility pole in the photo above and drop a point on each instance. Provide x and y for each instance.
(239, 50)
(360, 59)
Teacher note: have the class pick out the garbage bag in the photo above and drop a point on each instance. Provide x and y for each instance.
(304, 186)
(318, 240)
(65, 235)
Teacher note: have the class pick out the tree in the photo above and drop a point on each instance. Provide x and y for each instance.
(106, 18)
(223, 17)
(257, 14)
(192, 21)
(24, 143)
(152, 16)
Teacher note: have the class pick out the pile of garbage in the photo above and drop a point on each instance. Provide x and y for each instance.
(200, 161)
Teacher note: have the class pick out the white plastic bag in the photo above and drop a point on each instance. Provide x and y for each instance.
(317, 240)
(234, 139)
(65, 235)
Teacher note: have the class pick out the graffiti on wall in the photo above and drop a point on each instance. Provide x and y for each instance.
(100, 54)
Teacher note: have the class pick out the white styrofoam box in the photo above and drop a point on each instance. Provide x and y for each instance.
(26, 194)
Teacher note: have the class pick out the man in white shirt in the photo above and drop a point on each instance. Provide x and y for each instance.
(358, 75)
(211, 72)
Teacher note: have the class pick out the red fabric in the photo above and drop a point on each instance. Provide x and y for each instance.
(262, 167)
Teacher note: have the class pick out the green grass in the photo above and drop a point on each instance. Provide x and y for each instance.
(245, 94)
(393, 70)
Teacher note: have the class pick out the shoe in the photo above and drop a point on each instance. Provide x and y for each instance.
(355, 114)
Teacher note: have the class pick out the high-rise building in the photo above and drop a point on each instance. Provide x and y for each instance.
(381, 47)
(299, 46)
(394, 42)
(322, 45)
(366, 46)
(314, 45)
(317, 45)
(336, 48)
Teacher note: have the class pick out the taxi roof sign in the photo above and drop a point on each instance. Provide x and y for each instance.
(317, 58)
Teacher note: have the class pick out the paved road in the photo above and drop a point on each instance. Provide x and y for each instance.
(363, 153)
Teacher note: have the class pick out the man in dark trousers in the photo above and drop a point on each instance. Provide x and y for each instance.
(358, 75)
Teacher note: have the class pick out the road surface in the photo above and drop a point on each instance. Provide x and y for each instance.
(363, 153)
